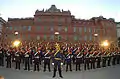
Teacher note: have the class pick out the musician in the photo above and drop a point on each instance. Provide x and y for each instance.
(109, 57)
(114, 57)
(79, 59)
(27, 60)
(8, 58)
(57, 61)
(46, 59)
(104, 58)
(18, 59)
(68, 59)
(86, 60)
(98, 58)
(36, 60)
(92, 59)
(2, 57)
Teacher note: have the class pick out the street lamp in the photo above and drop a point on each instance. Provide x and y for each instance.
(16, 33)
(56, 35)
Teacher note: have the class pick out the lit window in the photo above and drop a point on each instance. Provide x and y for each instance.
(74, 29)
(29, 28)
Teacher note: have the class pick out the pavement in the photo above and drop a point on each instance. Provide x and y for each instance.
(112, 72)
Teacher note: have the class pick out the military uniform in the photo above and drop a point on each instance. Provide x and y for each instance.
(1, 57)
(79, 61)
(46, 59)
(92, 59)
(68, 59)
(57, 60)
(114, 58)
(86, 60)
(27, 60)
(8, 59)
(36, 61)
(98, 59)
(104, 58)
(17, 60)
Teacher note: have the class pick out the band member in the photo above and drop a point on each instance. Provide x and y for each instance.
(92, 59)
(57, 61)
(47, 58)
(8, 58)
(79, 59)
(86, 60)
(114, 58)
(27, 60)
(68, 61)
(36, 61)
(104, 58)
(18, 59)
(109, 57)
(1, 57)
(98, 58)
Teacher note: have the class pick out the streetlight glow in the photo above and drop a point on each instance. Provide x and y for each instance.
(16, 33)
(105, 43)
(56, 33)
(16, 43)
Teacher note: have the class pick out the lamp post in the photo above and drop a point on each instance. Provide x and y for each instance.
(16, 34)
(95, 36)
(56, 35)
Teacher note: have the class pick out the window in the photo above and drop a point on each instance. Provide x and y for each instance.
(45, 37)
(59, 28)
(75, 38)
(59, 37)
(29, 37)
(74, 29)
(94, 30)
(38, 28)
(85, 38)
(38, 37)
(66, 29)
(24, 27)
(10, 28)
(15, 28)
(29, 28)
(80, 29)
(38, 19)
(51, 29)
(45, 28)
(85, 29)
(90, 38)
(52, 37)
(90, 29)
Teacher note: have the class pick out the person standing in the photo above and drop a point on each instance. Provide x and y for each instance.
(18, 59)
(1, 57)
(47, 58)
(57, 61)
(36, 60)
(8, 58)
(27, 60)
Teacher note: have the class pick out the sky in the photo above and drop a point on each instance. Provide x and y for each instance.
(82, 9)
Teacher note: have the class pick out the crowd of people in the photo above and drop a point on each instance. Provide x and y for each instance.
(92, 56)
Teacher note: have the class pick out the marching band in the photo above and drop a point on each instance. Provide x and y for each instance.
(91, 56)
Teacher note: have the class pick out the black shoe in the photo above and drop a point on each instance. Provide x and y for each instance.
(61, 76)
(53, 77)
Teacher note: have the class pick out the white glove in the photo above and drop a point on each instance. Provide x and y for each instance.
(52, 63)
(61, 63)
(43, 61)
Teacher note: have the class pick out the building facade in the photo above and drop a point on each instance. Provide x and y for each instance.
(46, 23)
(2, 31)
